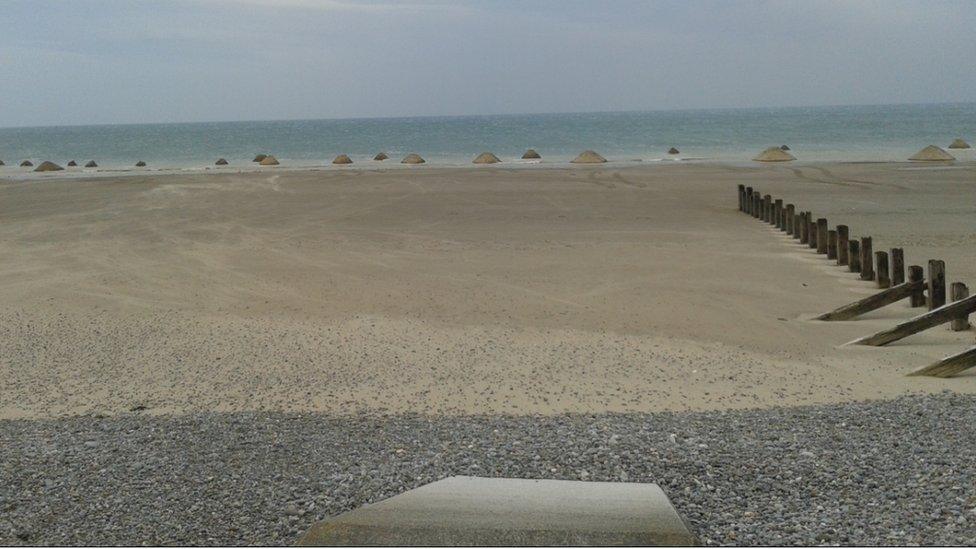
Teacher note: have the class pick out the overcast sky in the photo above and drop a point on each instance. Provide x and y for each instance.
(115, 61)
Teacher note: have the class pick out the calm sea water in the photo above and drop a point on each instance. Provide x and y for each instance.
(889, 132)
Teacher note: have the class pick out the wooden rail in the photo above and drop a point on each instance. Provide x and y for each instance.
(935, 317)
(876, 301)
(950, 365)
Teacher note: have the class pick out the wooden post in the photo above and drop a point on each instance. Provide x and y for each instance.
(924, 321)
(867, 259)
(822, 236)
(756, 205)
(842, 239)
(897, 266)
(778, 213)
(790, 215)
(812, 229)
(742, 197)
(767, 206)
(853, 256)
(797, 222)
(832, 244)
(916, 274)
(748, 201)
(937, 284)
(804, 228)
(959, 291)
(874, 302)
(950, 365)
(881, 259)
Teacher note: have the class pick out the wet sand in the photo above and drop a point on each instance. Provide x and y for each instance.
(527, 291)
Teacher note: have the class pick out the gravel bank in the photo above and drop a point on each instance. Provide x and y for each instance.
(892, 472)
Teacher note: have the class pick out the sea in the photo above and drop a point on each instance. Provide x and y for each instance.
(814, 134)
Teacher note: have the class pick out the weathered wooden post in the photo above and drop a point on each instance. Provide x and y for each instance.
(742, 197)
(812, 229)
(842, 239)
(804, 226)
(881, 259)
(790, 214)
(756, 205)
(958, 291)
(797, 222)
(832, 244)
(915, 273)
(767, 206)
(853, 256)
(897, 266)
(867, 259)
(822, 236)
(778, 213)
(748, 200)
(937, 284)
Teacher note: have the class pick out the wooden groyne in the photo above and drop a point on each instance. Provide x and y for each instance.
(884, 269)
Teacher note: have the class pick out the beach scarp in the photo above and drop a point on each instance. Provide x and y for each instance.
(342, 159)
(531, 155)
(486, 158)
(589, 157)
(774, 154)
(959, 144)
(91, 164)
(48, 166)
(268, 160)
(220, 162)
(380, 156)
(932, 154)
(259, 157)
(413, 158)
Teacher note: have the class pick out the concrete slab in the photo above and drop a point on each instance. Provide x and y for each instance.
(502, 511)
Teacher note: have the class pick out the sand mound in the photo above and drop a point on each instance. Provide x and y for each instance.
(268, 160)
(959, 144)
(140, 164)
(774, 154)
(220, 162)
(259, 157)
(380, 156)
(91, 164)
(486, 158)
(342, 159)
(72, 164)
(26, 164)
(412, 158)
(589, 157)
(931, 154)
(673, 150)
(48, 166)
(784, 147)
(530, 155)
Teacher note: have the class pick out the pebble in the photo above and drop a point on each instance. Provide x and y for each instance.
(901, 474)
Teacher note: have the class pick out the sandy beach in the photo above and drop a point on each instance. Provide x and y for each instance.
(460, 291)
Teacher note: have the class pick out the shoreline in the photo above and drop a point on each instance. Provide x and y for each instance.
(17, 174)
